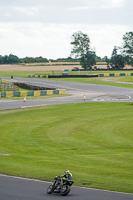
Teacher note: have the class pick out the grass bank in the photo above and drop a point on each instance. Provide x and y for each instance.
(93, 140)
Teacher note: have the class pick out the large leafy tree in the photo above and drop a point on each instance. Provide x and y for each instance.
(127, 48)
(88, 60)
(81, 44)
(117, 60)
(81, 49)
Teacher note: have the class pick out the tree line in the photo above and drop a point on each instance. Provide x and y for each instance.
(13, 59)
(120, 55)
(84, 54)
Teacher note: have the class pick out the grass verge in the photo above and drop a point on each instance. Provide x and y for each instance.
(93, 140)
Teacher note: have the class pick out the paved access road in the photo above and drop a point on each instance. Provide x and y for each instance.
(93, 93)
(15, 188)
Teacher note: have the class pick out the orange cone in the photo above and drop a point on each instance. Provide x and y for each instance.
(84, 97)
(24, 99)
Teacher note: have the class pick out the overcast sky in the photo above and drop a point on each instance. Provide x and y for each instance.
(44, 27)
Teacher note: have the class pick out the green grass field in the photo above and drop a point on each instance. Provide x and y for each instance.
(93, 140)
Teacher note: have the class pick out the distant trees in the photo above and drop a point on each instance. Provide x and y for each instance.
(81, 50)
(84, 54)
(117, 60)
(88, 60)
(11, 59)
(69, 59)
(33, 60)
(127, 48)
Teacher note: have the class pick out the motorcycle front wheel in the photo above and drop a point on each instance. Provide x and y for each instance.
(50, 189)
(65, 190)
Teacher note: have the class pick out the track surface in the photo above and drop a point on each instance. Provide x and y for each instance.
(93, 93)
(14, 188)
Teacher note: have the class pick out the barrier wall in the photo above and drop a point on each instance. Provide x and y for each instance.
(63, 76)
(115, 74)
(37, 76)
(96, 75)
(35, 93)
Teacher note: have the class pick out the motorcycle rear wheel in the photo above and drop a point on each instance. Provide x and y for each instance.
(65, 190)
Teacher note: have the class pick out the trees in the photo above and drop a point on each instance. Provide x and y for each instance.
(81, 44)
(81, 50)
(33, 60)
(117, 60)
(88, 60)
(127, 48)
(11, 59)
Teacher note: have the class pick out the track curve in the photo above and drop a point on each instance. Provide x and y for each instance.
(15, 188)
(94, 93)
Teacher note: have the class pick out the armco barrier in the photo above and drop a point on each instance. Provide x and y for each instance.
(35, 93)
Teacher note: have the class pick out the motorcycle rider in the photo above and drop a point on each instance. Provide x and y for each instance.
(66, 176)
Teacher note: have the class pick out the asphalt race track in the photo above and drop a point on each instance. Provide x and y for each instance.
(14, 188)
(93, 93)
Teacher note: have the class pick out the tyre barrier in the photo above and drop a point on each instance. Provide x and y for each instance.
(37, 76)
(115, 74)
(63, 76)
(81, 76)
(35, 93)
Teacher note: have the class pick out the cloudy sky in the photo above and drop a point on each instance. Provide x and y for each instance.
(44, 27)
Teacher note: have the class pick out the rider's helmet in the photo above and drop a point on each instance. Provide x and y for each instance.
(67, 171)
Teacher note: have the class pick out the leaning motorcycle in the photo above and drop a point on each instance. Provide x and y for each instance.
(61, 186)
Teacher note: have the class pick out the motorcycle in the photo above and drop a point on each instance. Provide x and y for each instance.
(61, 186)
